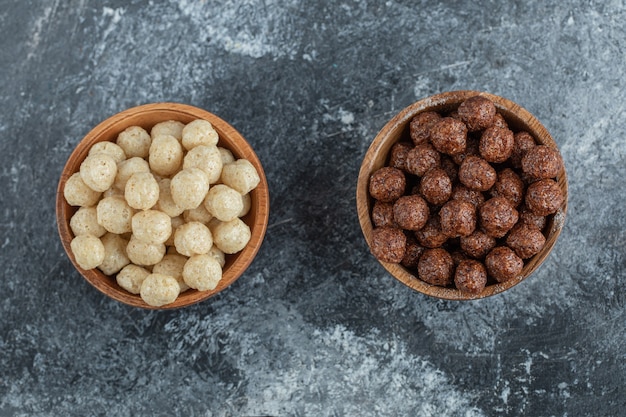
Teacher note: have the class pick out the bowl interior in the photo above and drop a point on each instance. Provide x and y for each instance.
(398, 128)
(147, 116)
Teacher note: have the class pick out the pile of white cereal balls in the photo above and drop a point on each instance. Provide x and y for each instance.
(161, 209)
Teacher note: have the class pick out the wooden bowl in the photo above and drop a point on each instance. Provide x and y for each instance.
(147, 116)
(398, 128)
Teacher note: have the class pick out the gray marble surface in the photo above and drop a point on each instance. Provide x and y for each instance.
(315, 327)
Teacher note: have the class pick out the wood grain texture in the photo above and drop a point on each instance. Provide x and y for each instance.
(397, 128)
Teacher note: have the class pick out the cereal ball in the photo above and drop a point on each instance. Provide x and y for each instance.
(412, 253)
(240, 175)
(247, 204)
(168, 128)
(498, 121)
(227, 155)
(544, 197)
(208, 159)
(113, 192)
(470, 277)
(431, 235)
(202, 272)
(387, 184)
(471, 148)
(173, 265)
(98, 171)
(458, 218)
(77, 193)
(388, 244)
(477, 113)
(131, 277)
(219, 256)
(448, 136)
(461, 192)
(232, 236)
(165, 156)
(199, 132)
(152, 226)
(523, 142)
(436, 186)
(189, 187)
(525, 240)
(199, 214)
(449, 167)
(143, 253)
(496, 144)
(166, 203)
(85, 222)
(223, 202)
(419, 127)
(398, 153)
(382, 214)
(477, 174)
(497, 216)
(421, 159)
(503, 264)
(510, 186)
(542, 162)
(193, 238)
(109, 148)
(115, 257)
(158, 290)
(478, 244)
(527, 217)
(88, 251)
(135, 142)
(127, 168)
(436, 267)
(114, 214)
(141, 191)
(410, 212)
(176, 223)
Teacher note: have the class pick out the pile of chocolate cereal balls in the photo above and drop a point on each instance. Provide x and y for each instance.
(466, 201)
(160, 210)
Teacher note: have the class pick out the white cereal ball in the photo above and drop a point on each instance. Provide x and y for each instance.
(202, 272)
(176, 223)
(127, 168)
(193, 238)
(172, 265)
(199, 214)
(135, 141)
(166, 203)
(144, 254)
(240, 175)
(232, 236)
(141, 191)
(85, 222)
(114, 214)
(199, 132)
(189, 187)
(219, 256)
(77, 193)
(223, 202)
(152, 226)
(247, 203)
(88, 251)
(109, 148)
(115, 257)
(226, 154)
(208, 159)
(98, 171)
(113, 192)
(158, 290)
(170, 127)
(166, 155)
(131, 277)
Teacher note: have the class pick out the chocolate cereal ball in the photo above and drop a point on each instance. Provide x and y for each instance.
(421, 159)
(382, 214)
(522, 143)
(387, 184)
(388, 244)
(510, 186)
(498, 120)
(477, 113)
(397, 156)
(542, 162)
(470, 277)
(544, 197)
(497, 216)
(478, 244)
(436, 267)
(410, 212)
(471, 148)
(496, 144)
(419, 128)
(436, 186)
(449, 167)
(431, 235)
(412, 254)
(527, 217)
(458, 218)
(477, 174)
(448, 136)
(525, 240)
(461, 192)
(503, 264)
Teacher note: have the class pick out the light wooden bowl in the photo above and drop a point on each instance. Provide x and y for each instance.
(398, 128)
(147, 116)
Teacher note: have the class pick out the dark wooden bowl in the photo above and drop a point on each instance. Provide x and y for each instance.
(147, 116)
(397, 129)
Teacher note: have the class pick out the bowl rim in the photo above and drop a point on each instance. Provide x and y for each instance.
(516, 116)
(141, 115)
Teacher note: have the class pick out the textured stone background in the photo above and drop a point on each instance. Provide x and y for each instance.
(315, 327)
